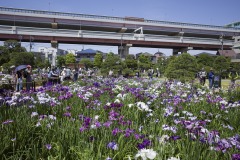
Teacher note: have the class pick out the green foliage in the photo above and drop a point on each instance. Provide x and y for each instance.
(127, 72)
(112, 62)
(39, 61)
(144, 62)
(4, 55)
(86, 62)
(9, 47)
(98, 60)
(18, 58)
(131, 62)
(61, 61)
(221, 63)
(182, 68)
(70, 58)
(14, 46)
(47, 63)
(162, 64)
(205, 61)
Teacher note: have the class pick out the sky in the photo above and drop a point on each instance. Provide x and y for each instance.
(211, 12)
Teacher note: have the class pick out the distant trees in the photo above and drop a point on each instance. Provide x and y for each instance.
(86, 62)
(144, 62)
(131, 62)
(112, 62)
(61, 61)
(70, 58)
(98, 58)
(221, 64)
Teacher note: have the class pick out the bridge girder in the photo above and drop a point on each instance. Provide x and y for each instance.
(111, 42)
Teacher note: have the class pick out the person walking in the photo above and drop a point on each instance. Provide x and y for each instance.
(28, 76)
(210, 78)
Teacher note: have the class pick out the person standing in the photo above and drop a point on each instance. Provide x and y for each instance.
(75, 75)
(150, 73)
(233, 75)
(28, 72)
(18, 81)
(210, 78)
(202, 76)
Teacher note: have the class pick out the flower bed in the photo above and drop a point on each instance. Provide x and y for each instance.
(120, 119)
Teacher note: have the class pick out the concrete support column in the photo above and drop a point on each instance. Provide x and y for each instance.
(181, 50)
(123, 51)
(54, 44)
(54, 25)
(175, 52)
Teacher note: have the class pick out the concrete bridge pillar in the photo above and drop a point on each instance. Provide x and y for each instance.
(175, 52)
(123, 51)
(181, 50)
(54, 25)
(54, 44)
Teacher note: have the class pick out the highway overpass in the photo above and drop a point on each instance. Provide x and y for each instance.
(125, 32)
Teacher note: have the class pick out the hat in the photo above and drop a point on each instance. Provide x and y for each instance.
(28, 66)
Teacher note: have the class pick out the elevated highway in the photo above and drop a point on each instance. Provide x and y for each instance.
(59, 27)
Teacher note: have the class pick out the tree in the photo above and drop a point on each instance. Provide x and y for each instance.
(70, 58)
(10, 46)
(205, 60)
(144, 62)
(162, 64)
(98, 60)
(112, 62)
(19, 58)
(14, 46)
(221, 63)
(131, 62)
(61, 61)
(182, 68)
(38, 61)
(4, 55)
(86, 62)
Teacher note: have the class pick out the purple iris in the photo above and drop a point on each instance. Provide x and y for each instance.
(67, 114)
(235, 156)
(112, 145)
(144, 144)
(48, 146)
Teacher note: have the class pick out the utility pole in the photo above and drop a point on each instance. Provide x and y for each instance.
(30, 46)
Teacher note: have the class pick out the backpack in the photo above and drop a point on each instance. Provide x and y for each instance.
(25, 74)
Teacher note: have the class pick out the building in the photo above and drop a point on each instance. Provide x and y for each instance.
(52, 53)
(227, 53)
(87, 53)
(73, 51)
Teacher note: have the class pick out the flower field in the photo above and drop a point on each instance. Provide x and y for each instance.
(121, 119)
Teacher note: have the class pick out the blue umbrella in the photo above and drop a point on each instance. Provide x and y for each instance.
(18, 68)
